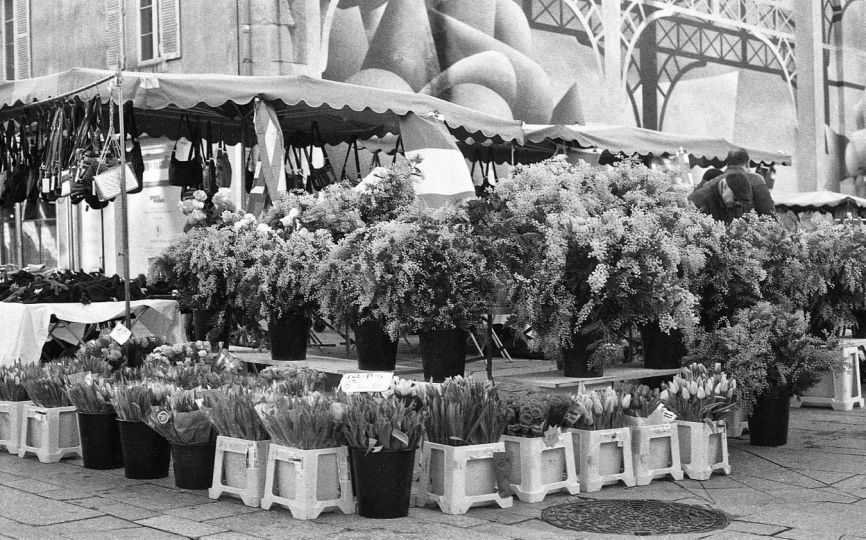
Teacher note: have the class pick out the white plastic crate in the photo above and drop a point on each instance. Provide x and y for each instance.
(459, 477)
(841, 390)
(11, 416)
(308, 482)
(50, 433)
(539, 467)
(736, 423)
(239, 469)
(703, 448)
(656, 452)
(603, 457)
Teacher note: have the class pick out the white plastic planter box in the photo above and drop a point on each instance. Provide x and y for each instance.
(841, 390)
(703, 448)
(656, 452)
(603, 457)
(50, 433)
(460, 477)
(736, 423)
(308, 482)
(239, 469)
(11, 417)
(539, 468)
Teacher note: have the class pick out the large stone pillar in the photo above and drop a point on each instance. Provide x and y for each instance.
(616, 105)
(809, 153)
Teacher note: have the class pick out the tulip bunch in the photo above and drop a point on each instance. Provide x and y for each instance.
(307, 422)
(47, 386)
(179, 419)
(134, 400)
(601, 409)
(91, 396)
(374, 423)
(11, 382)
(294, 381)
(463, 411)
(696, 395)
(644, 401)
(233, 413)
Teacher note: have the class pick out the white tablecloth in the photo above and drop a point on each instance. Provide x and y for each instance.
(24, 328)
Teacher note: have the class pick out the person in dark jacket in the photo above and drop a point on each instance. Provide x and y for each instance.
(725, 197)
(738, 162)
(709, 174)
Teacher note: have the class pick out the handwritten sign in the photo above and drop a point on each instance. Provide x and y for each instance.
(369, 381)
(120, 334)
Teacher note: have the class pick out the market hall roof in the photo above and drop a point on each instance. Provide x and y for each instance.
(343, 111)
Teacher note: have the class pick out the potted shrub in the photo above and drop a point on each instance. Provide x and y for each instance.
(614, 247)
(307, 461)
(769, 352)
(146, 455)
(604, 448)
(97, 426)
(701, 399)
(383, 435)
(542, 456)
(13, 402)
(241, 445)
(180, 421)
(279, 285)
(425, 276)
(465, 421)
(50, 426)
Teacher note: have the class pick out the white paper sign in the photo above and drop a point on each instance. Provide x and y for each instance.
(369, 381)
(120, 334)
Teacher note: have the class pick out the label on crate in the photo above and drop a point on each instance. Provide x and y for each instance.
(120, 334)
(370, 381)
(252, 457)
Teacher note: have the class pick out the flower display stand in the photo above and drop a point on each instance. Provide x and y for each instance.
(656, 452)
(736, 423)
(50, 433)
(239, 469)
(703, 448)
(11, 416)
(459, 477)
(841, 390)
(540, 466)
(308, 482)
(603, 457)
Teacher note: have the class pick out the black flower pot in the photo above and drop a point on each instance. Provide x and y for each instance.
(443, 353)
(860, 331)
(146, 455)
(382, 482)
(205, 320)
(660, 350)
(376, 350)
(575, 359)
(768, 423)
(100, 441)
(193, 465)
(288, 336)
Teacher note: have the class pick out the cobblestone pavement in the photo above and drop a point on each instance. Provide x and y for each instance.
(813, 488)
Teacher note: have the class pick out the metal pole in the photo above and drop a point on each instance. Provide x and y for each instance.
(19, 235)
(124, 211)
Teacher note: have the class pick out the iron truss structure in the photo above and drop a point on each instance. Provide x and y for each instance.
(833, 12)
(662, 40)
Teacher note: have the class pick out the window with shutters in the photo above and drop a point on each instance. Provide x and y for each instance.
(9, 39)
(148, 43)
(16, 38)
(157, 25)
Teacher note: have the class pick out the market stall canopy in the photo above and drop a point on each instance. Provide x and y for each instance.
(342, 111)
(629, 140)
(824, 201)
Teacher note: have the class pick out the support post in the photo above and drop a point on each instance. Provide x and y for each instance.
(810, 95)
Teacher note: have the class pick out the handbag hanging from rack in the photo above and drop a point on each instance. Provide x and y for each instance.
(186, 174)
(133, 156)
(209, 180)
(294, 171)
(353, 146)
(223, 164)
(323, 176)
(107, 182)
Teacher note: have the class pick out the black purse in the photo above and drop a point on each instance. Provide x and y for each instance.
(133, 155)
(209, 180)
(294, 171)
(344, 177)
(323, 176)
(186, 173)
(223, 165)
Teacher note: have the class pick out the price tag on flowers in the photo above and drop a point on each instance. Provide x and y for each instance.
(371, 381)
(120, 334)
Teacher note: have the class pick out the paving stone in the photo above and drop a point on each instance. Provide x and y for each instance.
(229, 536)
(204, 512)
(461, 520)
(536, 528)
(498, 515)
(764, 529)
(30, 486)
(156, 498)
(12, 529)
(134, 533)
(277, 523)
(32, 509)
(176, 525)
(61, 494)
(103, 523)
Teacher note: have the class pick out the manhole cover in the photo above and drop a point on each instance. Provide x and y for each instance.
(641, 518)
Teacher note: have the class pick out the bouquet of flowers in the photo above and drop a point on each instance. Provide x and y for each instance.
(180, 420)
(91, 396)
(601, 409)
(233, 414)
(463, 412)
(293, 381)
(204, 210)
(533, 415)
(103, 354)
(333, 210)
(47, 386)
(12, 382)
(134, 400)
(386, 192)
(190, 365)
(307, 422)
(696, 394)
(375, 423)
(642, 401)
